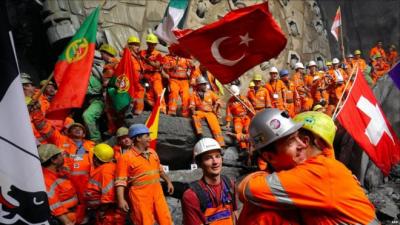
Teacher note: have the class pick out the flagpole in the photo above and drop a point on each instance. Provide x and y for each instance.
(240, 100)
(341, 35)
(344, 92)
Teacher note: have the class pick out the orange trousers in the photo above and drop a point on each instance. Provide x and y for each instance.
(178, 88)
(110, 217)
(306, 104)
(213, 123)
(291, 109)
(241, 128)
(138, 99)
(155, 89)
(148, 205)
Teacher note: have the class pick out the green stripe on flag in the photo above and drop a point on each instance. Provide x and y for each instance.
(88, 31)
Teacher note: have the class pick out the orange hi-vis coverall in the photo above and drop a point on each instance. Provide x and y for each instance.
(178, 69)
(306, 101)
(141, 175)
(78, 158)
(276, 89)
(380, 69)
(319, 91)
(61, 194)
(100, 196)
(153, 76)
(259, 98)
(254, 215)
(290, 96)
(241, 119)
(322, 188)
(138, 89)
(204, 105)
(360, 63)
(118, 152)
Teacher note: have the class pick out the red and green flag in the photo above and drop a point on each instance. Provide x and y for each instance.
(121, 85)
(74, 65)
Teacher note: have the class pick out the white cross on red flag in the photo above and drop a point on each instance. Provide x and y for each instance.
(364, 119)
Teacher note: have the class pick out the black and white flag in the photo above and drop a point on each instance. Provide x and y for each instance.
(23, 199)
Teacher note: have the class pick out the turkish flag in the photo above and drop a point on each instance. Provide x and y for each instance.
(234, 44)
(364, 119)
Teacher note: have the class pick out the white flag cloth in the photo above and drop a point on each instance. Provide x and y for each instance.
(337, 22)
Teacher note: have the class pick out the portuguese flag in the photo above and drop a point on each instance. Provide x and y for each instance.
(74, 65)
(120, 87)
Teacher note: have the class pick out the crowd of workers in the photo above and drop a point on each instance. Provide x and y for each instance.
(88, 181)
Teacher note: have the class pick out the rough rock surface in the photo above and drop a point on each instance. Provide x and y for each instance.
(176, 139)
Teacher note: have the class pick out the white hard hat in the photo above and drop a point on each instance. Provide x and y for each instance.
(273, 70)
(299, 65)
(235, 90)
(312, 63)
(205, 145)
(335, 61)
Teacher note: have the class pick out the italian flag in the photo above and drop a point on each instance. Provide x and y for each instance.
(152, 121)
(74, 66)
(173, 19)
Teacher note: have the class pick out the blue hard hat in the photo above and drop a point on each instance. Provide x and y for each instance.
(283, 73)
(138, 129)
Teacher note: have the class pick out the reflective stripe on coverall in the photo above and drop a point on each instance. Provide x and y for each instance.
(142, 178)
(322, 188)
(61, 194)
(101, 192)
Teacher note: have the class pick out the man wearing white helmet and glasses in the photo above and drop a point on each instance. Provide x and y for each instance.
(211, 199)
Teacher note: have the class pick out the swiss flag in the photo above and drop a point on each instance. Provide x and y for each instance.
(239, 41)
(364, 119)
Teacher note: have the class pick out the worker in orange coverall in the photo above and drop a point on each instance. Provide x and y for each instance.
(138, 174)
(100, 193)
(204, 103)
(276, 89)
(240, 115)
(259, 95)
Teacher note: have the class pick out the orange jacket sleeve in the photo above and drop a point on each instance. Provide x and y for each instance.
(121, 172)
(46, 130)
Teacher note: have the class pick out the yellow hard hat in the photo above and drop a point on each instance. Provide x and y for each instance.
(319, 124)
(357, 52)
(103, 152)
(133, 39)
(28, 100)
(377, 55)
(316, 107)
(328, 63)
(43, 82)
(252, 84)
(108, 49)
(257, 77)
(151, 38)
